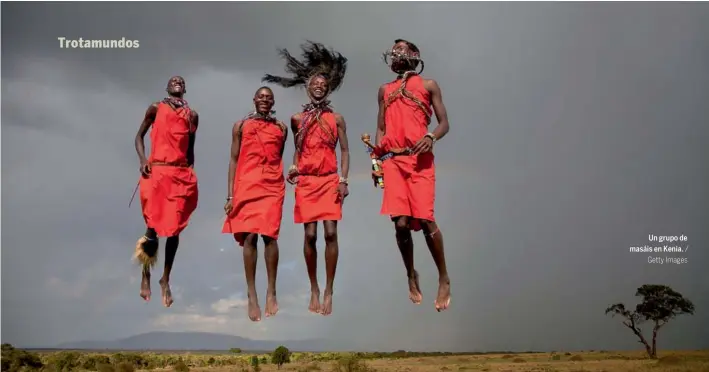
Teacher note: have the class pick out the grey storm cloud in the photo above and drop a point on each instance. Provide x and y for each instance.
(576, 131)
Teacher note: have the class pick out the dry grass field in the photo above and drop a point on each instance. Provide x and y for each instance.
(697, 361)
(601, 361)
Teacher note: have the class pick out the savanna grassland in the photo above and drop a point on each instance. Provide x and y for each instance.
(15, 360)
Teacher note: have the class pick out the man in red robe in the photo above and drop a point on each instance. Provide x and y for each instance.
(255, 193)
(405, 143)
(320, 191)
(168, 183)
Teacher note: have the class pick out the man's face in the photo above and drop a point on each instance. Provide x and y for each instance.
(176, 86)
(318, 87)
(264, 100)
(401, 49)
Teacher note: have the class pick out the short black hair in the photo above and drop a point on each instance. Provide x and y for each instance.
(411, 45)
(264, 87)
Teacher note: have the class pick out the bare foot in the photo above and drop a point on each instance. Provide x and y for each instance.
(254, 309)
(444, 295)
(414, 289)
(271, 304)
(166, 293)
(145, 288)
(314, 306)
(326, 308)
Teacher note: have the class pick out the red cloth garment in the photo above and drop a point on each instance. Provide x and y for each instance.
(259, 184)
(316, 196)
(169, 195)
(410, 179)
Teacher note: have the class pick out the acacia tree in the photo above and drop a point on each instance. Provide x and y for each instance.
(280, 356)
(659, 305)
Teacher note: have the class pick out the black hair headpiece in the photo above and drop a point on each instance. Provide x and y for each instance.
(316, 60)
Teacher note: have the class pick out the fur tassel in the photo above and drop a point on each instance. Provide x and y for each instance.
(143, 256)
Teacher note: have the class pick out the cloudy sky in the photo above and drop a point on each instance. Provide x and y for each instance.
(576, 131)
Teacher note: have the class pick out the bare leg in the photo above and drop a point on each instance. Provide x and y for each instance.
(406, 247)
(250, 260)
(271, 256)
(311, 261)
(332, 251)
(152, 247)
(434, 240)
(145, 285)
(170, 252)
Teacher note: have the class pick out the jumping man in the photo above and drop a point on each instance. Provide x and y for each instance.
(168, 183)
(255, 193)
(320, 191)
(405, 144)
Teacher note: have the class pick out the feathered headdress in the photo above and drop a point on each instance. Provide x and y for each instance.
(317, 60)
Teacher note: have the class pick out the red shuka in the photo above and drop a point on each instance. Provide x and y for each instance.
(259, 184)
(316, 196)
(169, 194)
(410, 179)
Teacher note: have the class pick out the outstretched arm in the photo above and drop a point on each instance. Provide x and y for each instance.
(285, 136)
(148, 120)
(381, 127)
(234, 157)
(292, 176)
(294, 122)
(193, 136)
(344, 146)
(438, 108)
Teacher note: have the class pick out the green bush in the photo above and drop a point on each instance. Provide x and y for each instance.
(180, 366)
(351, 363)
(137, 360)
(65, 361)
(235, 350)
(14, 360)
(105, 367)
(90, 362)
(125, 367)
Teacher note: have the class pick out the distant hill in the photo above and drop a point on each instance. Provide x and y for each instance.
(200, 341)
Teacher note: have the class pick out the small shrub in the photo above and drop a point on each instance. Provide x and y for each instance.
(351, 364)
(65, 360)
(180, 366)
(312, 367)
(137, 360)
(235, 350)
(519, 360)
(105, 367)
(507, 356)
(567, 353)
(91, 362)
(255, 365)
(125, 367)
(576, 358)
(669, 360)
(556, 357)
